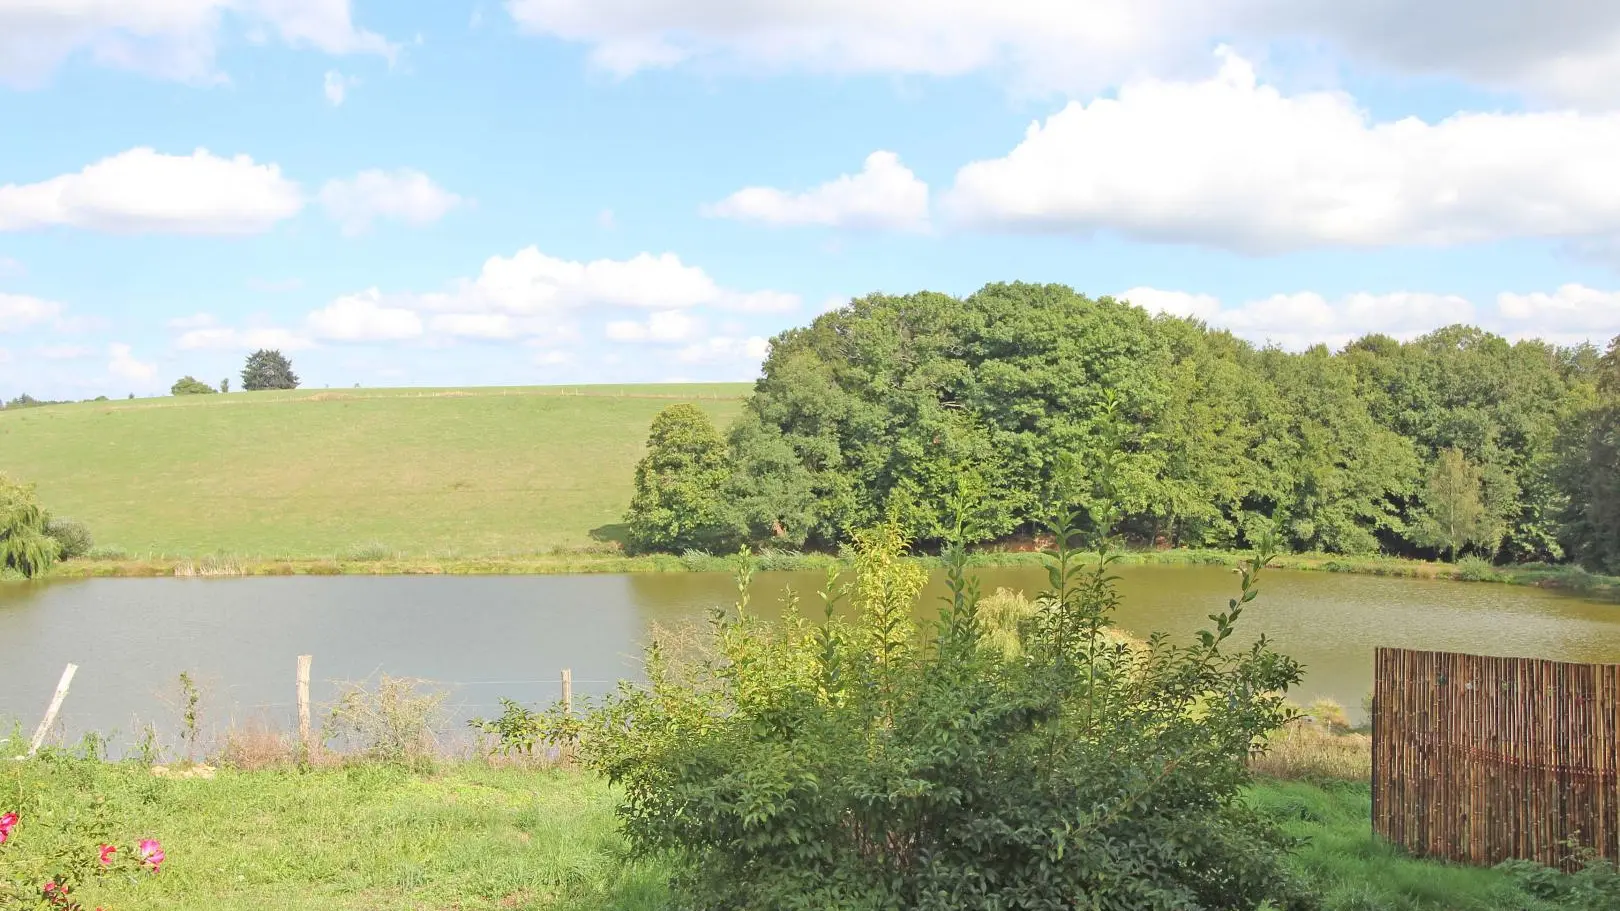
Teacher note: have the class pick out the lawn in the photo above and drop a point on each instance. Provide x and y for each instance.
(473, 837)
(315, 473)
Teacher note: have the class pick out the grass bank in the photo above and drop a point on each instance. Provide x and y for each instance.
(472, 836)
(380, 560)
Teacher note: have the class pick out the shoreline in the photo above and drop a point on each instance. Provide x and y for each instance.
(1561, 578)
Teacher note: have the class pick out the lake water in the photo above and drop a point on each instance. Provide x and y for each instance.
(485, 637)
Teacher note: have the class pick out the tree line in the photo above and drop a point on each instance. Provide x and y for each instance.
(1022, 400)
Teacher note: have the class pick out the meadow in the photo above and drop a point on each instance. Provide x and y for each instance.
(316, 473)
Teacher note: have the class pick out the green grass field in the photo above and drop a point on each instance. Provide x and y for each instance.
(316, 473)
(477, 838)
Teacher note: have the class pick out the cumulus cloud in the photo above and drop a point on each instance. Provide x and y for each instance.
(20, 311)
(727, 351)
(143, 191)
(1300, 320)
(1559, 50)
(173, 39)
(1570, 315)
(1573, 313)
(531, 283)
(1232, 163)
(121, 363)
(885, 194)
(363, 317)
(404, 194)
(664, 326)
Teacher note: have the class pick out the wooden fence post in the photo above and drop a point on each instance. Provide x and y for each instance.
(56, 706)
(568, 691)
(303, 702)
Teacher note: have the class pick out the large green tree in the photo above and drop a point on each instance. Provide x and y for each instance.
(1589, 474)
(680, 485)
(189, 385)
(268, 369)
(1456, 509)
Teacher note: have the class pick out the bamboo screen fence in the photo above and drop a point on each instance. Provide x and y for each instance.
(1480, 759)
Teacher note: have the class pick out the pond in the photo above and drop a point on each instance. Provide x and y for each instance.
(482, 638)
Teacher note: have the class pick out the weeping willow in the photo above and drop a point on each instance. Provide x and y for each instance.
(24, 546)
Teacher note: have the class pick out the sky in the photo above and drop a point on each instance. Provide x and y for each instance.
(580, 191)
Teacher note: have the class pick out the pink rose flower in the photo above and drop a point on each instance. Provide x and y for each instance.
(7, 823)
(107, 851)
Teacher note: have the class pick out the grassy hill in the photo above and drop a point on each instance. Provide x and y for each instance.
(313, 473)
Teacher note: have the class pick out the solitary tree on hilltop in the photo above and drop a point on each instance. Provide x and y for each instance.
(267, 369)
(225, 385)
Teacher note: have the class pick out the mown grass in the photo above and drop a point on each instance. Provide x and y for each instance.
(317, 474)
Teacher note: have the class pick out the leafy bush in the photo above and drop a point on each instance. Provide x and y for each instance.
(189, 385)
(25, 546)
(857, 764)
(395, 721)
(73, 539)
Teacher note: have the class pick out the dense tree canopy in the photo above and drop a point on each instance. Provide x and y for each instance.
(1025, 393)
(266, 369)
(25, 545)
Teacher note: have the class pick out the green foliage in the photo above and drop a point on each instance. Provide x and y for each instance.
(1589, 475)
(268, 369)
(885, 403)
(863, 763)
(225, 385)
(1455, 514)
(25, 545)
(189, 385)
(679, 500)
(73, 539)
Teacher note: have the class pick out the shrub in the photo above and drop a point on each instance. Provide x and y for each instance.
(188, 385)
(858, 764)
(1475, 569)
(73, 539)
(395, 721)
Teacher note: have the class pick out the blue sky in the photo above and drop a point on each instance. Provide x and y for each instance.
(562, 191)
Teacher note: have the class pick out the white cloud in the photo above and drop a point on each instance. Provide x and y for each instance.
(1176, 303)
(363, 318)
(885, 194)
(1573, 313)
(1300, 320)
(758, 302)
(173, 39)
(530, 283)
(605, 220)
(143, 191)
(553, 357)
(664, 326)
(1235, 164)
(407, 195)
(475, 325)
(121, 363)
(729, 351)
(336, 87)
(1565, 50)
(226, 338)
(19, 311)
